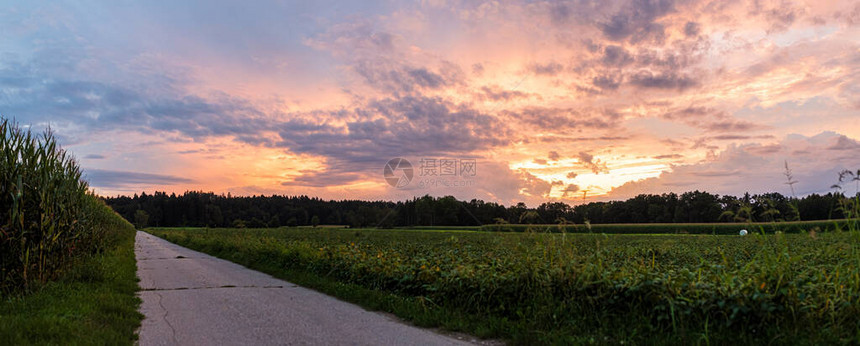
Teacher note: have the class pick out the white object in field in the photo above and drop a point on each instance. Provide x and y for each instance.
(743, 232)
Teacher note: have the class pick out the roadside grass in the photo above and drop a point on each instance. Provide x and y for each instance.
(93, 303)
(419, 312)
(530, 288)
(424, 313)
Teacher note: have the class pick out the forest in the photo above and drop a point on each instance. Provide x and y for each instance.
(207, 209)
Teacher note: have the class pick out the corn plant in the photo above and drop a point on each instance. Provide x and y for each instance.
(49, 215)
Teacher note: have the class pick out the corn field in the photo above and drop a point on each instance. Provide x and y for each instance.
(49, 215)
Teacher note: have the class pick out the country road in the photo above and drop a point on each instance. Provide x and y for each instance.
(190, 298)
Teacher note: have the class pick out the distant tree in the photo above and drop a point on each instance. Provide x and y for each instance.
(551, 211)
(384, 218)
(529, 217)
(516, 211)
(315, 221)
(213, 215)
(256, 223)
(197, 208)
(425, 211)
(141, 218)
(274, 222)
(698, 206)
(769, 212)
(819, 207)
(446, 210)
(727, 215)
(744, 214)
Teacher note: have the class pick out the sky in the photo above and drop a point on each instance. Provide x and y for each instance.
(513, 101)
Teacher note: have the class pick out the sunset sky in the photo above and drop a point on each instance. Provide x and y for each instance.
(554, 101)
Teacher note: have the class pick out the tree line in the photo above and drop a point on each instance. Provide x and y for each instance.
(199, 209)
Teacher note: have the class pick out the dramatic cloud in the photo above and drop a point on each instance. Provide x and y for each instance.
(844, 143)
(498, 94)
(390, 77)
(646, 79)
(550, 119)
(109, 179)
(410, 126)
(610, 82)
(570, 190)
(555, 100)
(759, 167)
(616, 56)
(549, 69)
(637, 20)
(692, 29)
(589, 162)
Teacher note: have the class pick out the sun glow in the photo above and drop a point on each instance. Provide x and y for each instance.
(590, 183)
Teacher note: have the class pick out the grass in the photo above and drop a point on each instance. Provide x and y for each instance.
(93, 303)
(573, 288)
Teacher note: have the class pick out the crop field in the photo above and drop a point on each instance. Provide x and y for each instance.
(724, 228)
(574, 288)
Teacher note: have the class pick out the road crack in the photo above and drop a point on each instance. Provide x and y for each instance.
(207, 288)
(164, 317)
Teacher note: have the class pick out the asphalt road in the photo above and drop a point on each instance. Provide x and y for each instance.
(190, 298)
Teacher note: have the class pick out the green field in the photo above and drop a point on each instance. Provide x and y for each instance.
(579, 288)
(722, 228)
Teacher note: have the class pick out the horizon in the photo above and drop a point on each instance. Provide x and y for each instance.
(230, 195)
(530, 102)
